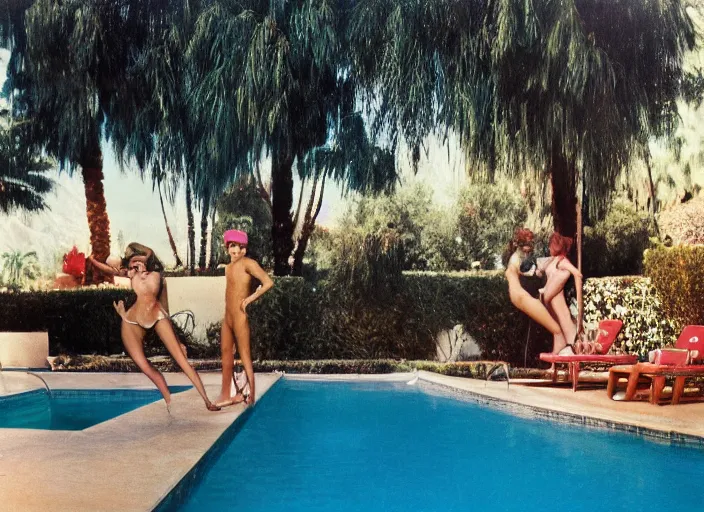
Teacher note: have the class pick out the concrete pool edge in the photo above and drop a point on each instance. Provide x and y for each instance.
(558, 414)
(178, 490)
(143, 453)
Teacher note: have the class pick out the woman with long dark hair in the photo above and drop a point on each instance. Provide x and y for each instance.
(144, 270)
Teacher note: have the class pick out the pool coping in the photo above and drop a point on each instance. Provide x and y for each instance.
(491, 396)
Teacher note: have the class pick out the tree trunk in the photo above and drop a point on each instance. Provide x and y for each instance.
(213, 247)
(191, 227)
(564, 194)
(653, 195)
(308, 227)
(203, 235)
(96, 210)
(282, 201)
(172, 242)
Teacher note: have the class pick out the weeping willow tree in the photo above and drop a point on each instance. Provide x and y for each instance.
(570, 89)
(274, 79)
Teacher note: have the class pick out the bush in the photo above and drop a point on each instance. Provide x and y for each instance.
(614, 246)
(78, 321)
(678, 275)
(635, 301)
(81, 321)
(297, 320)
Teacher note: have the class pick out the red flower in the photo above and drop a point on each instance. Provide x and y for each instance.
(74, 263)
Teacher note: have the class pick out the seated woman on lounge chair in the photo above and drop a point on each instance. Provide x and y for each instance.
(144, 269)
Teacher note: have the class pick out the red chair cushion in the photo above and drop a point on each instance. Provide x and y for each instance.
(608, 332)
(692, 338)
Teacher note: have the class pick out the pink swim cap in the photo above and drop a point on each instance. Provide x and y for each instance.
(234, 235)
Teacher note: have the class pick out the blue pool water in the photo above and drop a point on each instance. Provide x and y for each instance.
(391, 447)
(72, 409)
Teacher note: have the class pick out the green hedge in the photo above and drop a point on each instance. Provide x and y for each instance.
(471, 369)
(678, 275)
(298, 320)
(78, 321)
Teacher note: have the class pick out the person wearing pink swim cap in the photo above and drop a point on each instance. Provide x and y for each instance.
(235, 324)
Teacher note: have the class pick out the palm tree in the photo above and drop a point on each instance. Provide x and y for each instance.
(75, 93)
(23, 180)
(571, 90)
(19, 268)
(270, 80)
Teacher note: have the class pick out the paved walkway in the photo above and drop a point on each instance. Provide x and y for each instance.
(125, 464)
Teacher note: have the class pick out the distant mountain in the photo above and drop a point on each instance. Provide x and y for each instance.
(53, 232)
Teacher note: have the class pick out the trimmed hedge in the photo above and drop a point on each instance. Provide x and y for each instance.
(678, 275)
(298, 320)
(81, 321)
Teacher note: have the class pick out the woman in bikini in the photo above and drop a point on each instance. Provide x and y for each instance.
(144, 271)
(558, 270)
(520, 249)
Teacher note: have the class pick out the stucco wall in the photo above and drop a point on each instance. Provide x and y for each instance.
(204, 296)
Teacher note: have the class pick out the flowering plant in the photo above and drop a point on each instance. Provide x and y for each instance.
(74, 263)
(634, 300)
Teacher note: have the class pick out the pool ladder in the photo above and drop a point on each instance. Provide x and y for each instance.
(497, 365)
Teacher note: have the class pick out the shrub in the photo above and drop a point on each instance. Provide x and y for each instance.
(678, 275)
(487, 216)
(81, 321)
(635, 301)
(684, 222)
(297, 320)
(614, 246)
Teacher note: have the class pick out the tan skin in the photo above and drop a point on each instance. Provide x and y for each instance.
(521, 298)
(235, 325)
(558, 270)
(146, 311)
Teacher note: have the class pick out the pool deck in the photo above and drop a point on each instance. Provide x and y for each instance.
(131, 462)
(589, 407)
(128, 463)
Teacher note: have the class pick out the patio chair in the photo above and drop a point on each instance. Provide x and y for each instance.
(608, 332)
(677, 365)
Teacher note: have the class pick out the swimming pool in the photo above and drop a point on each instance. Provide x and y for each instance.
(342, 446)
(72, 409)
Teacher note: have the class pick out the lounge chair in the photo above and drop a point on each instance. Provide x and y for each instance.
(608, 331)
(669, 364)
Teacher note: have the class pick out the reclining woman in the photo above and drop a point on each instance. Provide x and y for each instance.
(144, 269)
(558, 270)
(519, 263)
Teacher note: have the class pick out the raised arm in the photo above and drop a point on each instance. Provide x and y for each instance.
(105, 268)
